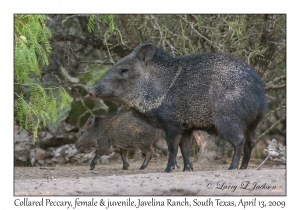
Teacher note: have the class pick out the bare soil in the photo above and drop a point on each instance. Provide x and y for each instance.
(206, 179)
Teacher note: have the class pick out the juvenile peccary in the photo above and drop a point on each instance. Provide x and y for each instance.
(123, 130)
(214, 92)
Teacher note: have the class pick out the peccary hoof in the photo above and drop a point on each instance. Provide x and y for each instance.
(142, 167)
(244, 166)
(125, 167)
(92, 168)
(169, 169)
(189, 167)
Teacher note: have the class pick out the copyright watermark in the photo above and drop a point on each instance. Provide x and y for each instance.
(245, 185)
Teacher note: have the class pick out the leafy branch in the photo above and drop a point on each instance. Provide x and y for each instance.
(31, 50)
(41, 106)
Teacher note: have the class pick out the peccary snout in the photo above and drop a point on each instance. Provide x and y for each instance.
(91, 93)
(78, 145)
(212, 91)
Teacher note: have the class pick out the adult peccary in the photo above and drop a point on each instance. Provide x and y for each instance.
(123, 130)
(214, 92)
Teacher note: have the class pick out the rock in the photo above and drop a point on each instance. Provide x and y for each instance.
(22, 145)
(63, 154)
(46, 139)
(37, 157)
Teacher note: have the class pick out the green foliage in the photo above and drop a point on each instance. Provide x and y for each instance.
(110, 20)
(31, 49)
(92, 76)
(65, 98)
(62, 110)
(31, 45)
(92, 22)
(77, 111)
(22, 109)
(104, 18)
(41, 107)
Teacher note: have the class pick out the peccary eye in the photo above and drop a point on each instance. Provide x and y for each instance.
(81, 133)
(123, 71)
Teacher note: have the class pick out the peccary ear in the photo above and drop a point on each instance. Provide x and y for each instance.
(146, 52)
(91, 120)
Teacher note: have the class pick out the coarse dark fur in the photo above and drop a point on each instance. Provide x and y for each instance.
(123, 130)
(214, 92)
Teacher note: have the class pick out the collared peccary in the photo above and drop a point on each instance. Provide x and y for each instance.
(123, 130)
(214, 92)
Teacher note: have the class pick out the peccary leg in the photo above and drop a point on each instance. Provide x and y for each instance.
(233, 133)
(185, 145)
(236, 155)
(177, 163)
(157, 145)
(98, 154)
(94, 161)
(248, 146)
(173, 138)
(124, 156)
(148, 155)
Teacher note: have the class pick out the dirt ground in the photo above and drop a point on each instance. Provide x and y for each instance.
(206, 179)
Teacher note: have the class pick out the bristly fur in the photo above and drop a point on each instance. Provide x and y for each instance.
(123, 130)
(212, 91)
